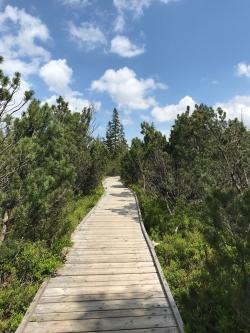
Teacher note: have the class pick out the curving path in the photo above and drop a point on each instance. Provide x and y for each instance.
(111, 280)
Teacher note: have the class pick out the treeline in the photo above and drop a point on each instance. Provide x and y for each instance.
(195, 197)
(51, 166)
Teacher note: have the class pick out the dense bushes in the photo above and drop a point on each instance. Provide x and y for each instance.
(50, 170)
(194, 194)
(24, 264)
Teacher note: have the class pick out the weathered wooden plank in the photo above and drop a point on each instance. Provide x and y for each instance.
(115, 217)
(102, 305)
(77, 281)
(104, 266)
(107, 245)
(115, 255)
(172, 329)
(95, 290)
(107, 271)
(102, 217)
(110, 245)
(101, 324)
(122, 230)
(109, 250)
(101, 314)
(109, 256)
(102, 296)
(95, 231)
(106, 259)
(117, 234)
(114, 221)
(104, 249)
(95, 227)
(112, 277)
(133, 239)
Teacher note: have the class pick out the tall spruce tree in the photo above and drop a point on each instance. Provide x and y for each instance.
(115, 137)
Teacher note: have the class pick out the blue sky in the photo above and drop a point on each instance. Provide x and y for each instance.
(148, 58)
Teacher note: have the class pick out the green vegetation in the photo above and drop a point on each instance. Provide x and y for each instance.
(25, 264)
(193, 190)
(116, 144)
(51, 169)
(195, 199)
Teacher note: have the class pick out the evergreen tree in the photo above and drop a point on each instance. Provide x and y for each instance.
(115, 137)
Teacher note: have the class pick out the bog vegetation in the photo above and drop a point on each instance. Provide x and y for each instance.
(195, 197)
(51, 168)
(193, 190)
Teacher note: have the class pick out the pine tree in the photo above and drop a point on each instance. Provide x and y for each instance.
(115, 136)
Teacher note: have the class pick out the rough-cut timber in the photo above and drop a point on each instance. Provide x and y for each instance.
(111, 280)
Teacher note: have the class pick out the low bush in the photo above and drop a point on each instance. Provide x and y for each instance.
(24, 264)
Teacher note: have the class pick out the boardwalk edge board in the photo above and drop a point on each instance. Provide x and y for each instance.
(39, 293)
(31, 308)
(162, 279)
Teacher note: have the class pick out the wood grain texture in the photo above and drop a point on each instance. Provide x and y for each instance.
(109, 282)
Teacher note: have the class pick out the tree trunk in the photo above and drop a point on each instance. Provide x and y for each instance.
(4, 227)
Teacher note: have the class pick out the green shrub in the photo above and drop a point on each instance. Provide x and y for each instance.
(24, 264)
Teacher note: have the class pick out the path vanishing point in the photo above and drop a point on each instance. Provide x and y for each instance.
(111, 280)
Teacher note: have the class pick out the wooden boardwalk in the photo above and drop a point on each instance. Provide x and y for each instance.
(111, 280)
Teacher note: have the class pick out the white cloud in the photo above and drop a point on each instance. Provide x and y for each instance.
(20, 34)
(166, 2)
(77, 3)
(87, 35)
(170, 112)
(134, 7)
(57, 75)
(126, 90)
(243, 69)
(237, 107)
(10, 66)
(119, 23)
(122, 46)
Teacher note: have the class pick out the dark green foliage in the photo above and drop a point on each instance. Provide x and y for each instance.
(116, 144)
(25, 264)
(115, 137)
(54, 159)
(194, 195)
(50, 170)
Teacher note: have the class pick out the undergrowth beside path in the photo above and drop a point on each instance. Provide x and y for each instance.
(24, 265)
